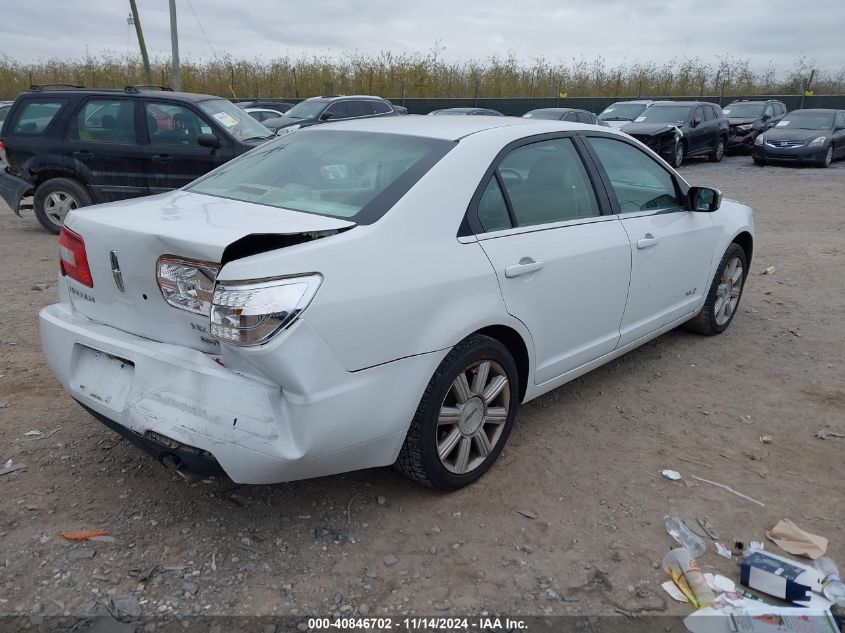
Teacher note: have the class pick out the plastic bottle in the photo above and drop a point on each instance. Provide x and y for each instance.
(834, 589)
(682, 534)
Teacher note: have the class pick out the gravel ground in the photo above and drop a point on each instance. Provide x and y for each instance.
(570, 519)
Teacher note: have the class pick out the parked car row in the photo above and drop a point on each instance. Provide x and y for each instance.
(68, 146)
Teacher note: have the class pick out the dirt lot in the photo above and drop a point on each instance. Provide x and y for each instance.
(584, 461)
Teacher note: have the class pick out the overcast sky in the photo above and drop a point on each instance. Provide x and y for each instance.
(764, 31)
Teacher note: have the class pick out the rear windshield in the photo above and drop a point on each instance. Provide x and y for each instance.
(339, 173)
(35, 116)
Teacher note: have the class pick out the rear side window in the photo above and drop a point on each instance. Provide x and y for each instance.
(378, 107)
(492, 209)
(36, 116)
(546, 182)
(106, 121)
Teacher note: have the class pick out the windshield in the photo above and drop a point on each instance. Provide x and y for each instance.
(675, 115)
(306, 109)
(339, 173)
(744, 110)
(807, 121)
(622, 112)
(545, 114)
(234, 120)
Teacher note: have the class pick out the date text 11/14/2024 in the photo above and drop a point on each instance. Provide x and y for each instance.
(455, 625)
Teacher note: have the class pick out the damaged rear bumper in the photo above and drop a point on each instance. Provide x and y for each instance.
(176, 401)
(13, 189)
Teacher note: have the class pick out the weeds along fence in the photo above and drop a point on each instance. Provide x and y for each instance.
(426, 76)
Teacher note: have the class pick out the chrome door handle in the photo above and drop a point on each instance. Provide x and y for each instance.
(648, 240)
(526, 265)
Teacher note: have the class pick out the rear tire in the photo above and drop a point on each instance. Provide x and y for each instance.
(55, 198)
(724, 295)
(719, 152)
(473, 393)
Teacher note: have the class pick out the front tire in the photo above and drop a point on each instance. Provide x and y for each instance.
(718, 153)
(760, 162)
(724, 295)
(464, 417)
(828, 157)
(57, 197)
(677, 158)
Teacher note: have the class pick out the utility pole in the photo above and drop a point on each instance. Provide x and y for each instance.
(175, 77)
(148, 75)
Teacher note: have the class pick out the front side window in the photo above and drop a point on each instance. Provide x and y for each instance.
(308, 109)
(171, 124)
(709, 114)
(339, 173)
(106, 121)
(840, 120)
(639, 182)
(35, 116)
(547, 182)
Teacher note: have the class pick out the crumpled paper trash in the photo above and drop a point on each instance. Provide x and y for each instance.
(794, 540)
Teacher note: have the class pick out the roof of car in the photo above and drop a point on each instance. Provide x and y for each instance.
(135, 92)
(557, 110)
(682, 103)
(755, 101)
(342, 97)
(817, 111)
(449, 128)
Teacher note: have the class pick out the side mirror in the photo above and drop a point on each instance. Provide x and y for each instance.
(209, 140)
(696, 122)
(704, 199)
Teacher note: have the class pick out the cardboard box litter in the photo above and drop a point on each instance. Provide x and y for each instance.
(779, 577)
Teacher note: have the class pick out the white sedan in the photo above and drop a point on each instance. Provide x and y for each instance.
(382, 291)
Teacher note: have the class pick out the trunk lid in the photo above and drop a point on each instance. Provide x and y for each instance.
(181, 224)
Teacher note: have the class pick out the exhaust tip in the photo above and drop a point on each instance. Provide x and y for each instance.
(187, 475)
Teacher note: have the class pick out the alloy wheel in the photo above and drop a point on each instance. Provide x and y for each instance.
(828, 158)
(728, 291)
(472, 416)
(57, 205)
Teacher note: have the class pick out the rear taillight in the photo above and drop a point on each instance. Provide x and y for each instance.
(73, 261)
(3, 150)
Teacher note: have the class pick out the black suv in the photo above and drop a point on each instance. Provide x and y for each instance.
(75, 146)
(677, 129)
(318, 110)
(748, 119)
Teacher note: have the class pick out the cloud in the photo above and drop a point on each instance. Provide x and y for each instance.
(618, 30)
